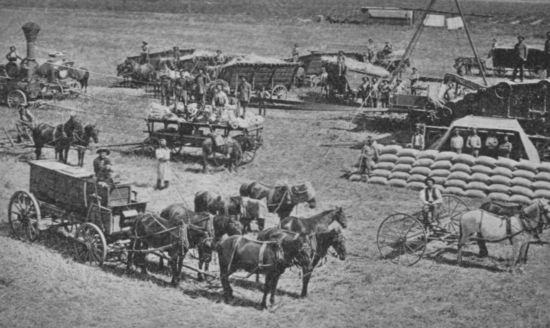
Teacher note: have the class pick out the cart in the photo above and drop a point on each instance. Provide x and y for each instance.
(403, 238)
(98, 216)
(179, 134)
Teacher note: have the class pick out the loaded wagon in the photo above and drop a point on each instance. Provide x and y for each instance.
(65, 196)
(312, 65)
(504, 59)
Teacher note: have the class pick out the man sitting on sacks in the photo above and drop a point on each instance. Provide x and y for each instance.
(431, 201)
(367, 160)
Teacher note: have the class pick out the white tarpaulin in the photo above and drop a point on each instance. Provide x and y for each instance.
(454, 23)
(435, 20)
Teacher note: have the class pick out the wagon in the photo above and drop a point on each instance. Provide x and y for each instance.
(15, 92)
(98, 216)
(504, 59)
(179, 134)
(403, 238)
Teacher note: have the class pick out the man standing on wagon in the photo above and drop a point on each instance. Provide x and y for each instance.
(245, 92)
(201, 81)
(520, 51)
(144, 52)
(162, 154)
(103, 166)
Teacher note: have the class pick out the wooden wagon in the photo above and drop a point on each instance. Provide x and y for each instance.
(504, 60)
(65, 196)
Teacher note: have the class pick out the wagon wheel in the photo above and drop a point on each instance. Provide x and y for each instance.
(67, 222)
(450, 212)
(248, 156)
(90, 245)
(24, 215)
(149, 146)
(15, 98)
(279, 91)
(175, 148)
(402, 239)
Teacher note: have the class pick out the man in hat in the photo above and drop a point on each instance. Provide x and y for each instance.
(201, 82)
(417, 140)
(295, 53)
(245, 92)
(474, 143)
(368, 157)
(414, 78)
(219, 59)
(370, 50)
(388, 48)
(12, 56)
(162, 154)
(144, 52)
(431, 201)
(220, 100)
(102, 165)
(520, 51)
(547, 53)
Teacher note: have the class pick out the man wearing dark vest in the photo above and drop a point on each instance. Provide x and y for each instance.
(520, 51)
(431, 201)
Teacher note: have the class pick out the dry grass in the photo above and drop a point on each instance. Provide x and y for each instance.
(40, 284)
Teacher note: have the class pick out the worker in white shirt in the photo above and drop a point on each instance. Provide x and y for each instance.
(457, 142)
(162, 154)
(417, 140)
(431, 201)
(474, 143)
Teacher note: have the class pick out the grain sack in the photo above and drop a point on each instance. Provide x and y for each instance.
(423, 162)
(521, 173)
(499, 188)
(417, 178)
(399, 175)
(390, 149)
(415, 185)
(381, 173)
(486, 161)
(519, 190)
(542, 176)
(540, 185)
(425, 171)
(500, 179)
(397, 183)
(406, 160)
(519, 181)
(444, 164)
(388, 158)
(504, 171)
(407, 152)
(402, 168)
(461, 167)
(499, 196)
(477, 185)
(445, 156)
(430, 153)
(456, 183)
(520, 199)
(506, 162)
(378, 180)
(459, 175)
(475, 193)
(440, 173)
(480, 177)
(454, 191)
(439, 180)
(482, 169)
(527, 166)
(384, 166)
(544, 167)
(542, 193)
(465, 159)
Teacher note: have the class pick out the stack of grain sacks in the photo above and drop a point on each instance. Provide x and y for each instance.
(386, 163)
(542, 181)
(481, 170)
(421, 169)
(401, 173)
(441, 168)
(523, 175)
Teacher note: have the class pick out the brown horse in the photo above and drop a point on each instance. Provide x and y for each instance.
(207, 201)
(81, 75)
(280, 199)
(316, 223)
(270, 258)
(137, 72)
(231, 149)
(484, 227)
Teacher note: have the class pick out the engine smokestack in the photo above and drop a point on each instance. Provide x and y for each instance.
(31, 32)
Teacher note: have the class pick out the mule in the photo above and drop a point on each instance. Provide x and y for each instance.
(484, 227)
(320, 243)
(270, 258)
(207, 201)
(230, 149)
(280, 199)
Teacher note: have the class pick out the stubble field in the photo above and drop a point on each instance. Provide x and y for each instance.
(41, 285)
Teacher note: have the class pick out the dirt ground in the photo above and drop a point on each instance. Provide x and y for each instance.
(42, 286)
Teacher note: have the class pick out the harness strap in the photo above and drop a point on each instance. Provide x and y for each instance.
(261, 255)
(235, 245)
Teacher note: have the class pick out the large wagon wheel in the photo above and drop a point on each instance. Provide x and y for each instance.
(248, 156)
(90, 245)
(149, 145)
(15, 98)
(279, 91)
(450, 212)
(24, 215)
(402, 239)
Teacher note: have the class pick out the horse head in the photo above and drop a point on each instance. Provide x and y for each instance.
(336, 240)
(535, 215)
(91, 132)
(297, 249)
(340, 217)
(545, 212)
(232, 226)
(234, 205)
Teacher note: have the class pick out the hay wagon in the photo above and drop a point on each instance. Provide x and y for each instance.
(179, 134)
(65, 196)
(403, 238)
(504, 60)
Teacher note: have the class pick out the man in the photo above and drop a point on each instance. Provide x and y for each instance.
(370, 51)
(295, 53)
(399, 88)
(162, 154)
(388, 48)
(341, 63)
(493, 47)
(520, 52)
(450, 92)
(505, 148)
(547, 53)
(12, 55)
(457, 142)
(219, 59)
(369, 156)
(245, 92)
(176, 54)
(180, 89)
(323, 82)
(144, 52)
(384, 89)
(103, 166)
(431, 201)
(417, 140)
(474, 143)
(220, 100)
(166, 90)
(263, 95)
(364, 90)
(201, 82)
(491, 143)
(414, 78)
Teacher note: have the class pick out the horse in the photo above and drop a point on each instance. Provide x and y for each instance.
(252, 209)
(231, 149)
(81, 75)
(320, 242)
(270, 258)
(136, 71)
(206, 201)
(316, 223)
(280, 199)
(483, 227)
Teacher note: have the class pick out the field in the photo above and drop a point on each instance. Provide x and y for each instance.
(41, 285)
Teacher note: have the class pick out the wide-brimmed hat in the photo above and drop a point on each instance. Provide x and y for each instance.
(103, 150)
(520, 37)
(144, 42)
(429, 179)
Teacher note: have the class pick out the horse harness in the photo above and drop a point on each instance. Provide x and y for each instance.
(508, 221)
(260, 254)
(182, 233)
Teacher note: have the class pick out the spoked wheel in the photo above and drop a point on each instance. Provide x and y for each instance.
(450, 212)
(248, 156)
(15, 98)
(279, 91)
(402, 239)
(24, 215)
(149, 146)
(90, 245)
